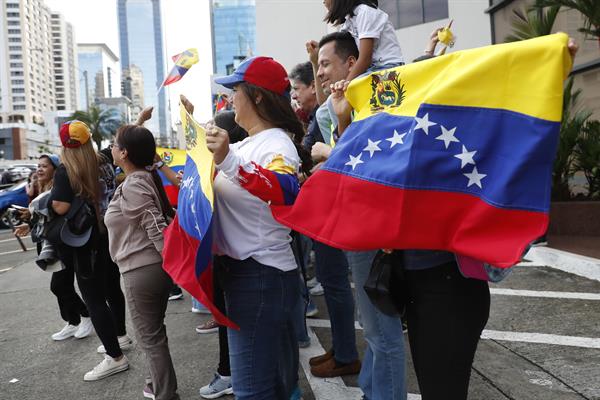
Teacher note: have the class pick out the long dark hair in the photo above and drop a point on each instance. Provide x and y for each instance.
(141, 148)
(277, 111)
(342, 8)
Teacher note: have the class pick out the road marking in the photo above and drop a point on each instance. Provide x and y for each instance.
(542, 338)
(546, 294)
(5, 269)
(15, 251)
(526, 337)
(329, 388)
(573, 263)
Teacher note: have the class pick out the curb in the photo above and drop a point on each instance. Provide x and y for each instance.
(586, 267)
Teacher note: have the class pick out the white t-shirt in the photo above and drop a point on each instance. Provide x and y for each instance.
(373, 23)
(244, 226)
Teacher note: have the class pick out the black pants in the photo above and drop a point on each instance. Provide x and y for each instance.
(224, 368)
(446, 314)
(70, 304)
(96, 281)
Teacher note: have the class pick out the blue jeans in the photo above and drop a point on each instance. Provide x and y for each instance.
(264, 352)
(332, 273)
(382, 375)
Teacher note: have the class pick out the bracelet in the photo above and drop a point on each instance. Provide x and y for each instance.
(159, 164)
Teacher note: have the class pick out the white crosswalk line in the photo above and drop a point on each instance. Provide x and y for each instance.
(546, 294)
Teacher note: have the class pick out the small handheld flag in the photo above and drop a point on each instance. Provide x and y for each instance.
(183, 62)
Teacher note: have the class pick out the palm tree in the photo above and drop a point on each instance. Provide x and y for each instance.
(590, 9)
(532, 22)
(103, 124)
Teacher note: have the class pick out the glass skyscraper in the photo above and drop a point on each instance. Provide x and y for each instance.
(234, 33)
(141, 42)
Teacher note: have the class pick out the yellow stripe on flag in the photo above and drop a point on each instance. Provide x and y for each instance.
(500, 76)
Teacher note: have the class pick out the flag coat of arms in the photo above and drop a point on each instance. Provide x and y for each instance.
(187, 253)
(453, 153)
(174, 159)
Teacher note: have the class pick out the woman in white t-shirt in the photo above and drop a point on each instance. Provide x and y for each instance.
(255, 263)
(371, 29)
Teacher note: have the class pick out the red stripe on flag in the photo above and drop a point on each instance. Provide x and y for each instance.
(367, 215)
(179, 261)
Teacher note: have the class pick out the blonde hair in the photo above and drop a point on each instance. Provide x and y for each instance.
(82, 168)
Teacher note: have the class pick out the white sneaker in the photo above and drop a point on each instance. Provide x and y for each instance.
(85, 328)
(311, 283)
(109, 366)
(65, 333)
(219, 386)
(317, 290)
(125, 343)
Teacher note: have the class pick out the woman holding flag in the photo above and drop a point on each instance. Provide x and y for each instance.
(256, 264)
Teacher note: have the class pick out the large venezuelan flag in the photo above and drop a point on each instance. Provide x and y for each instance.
(453, 153)
(187, 254)
(174, 159)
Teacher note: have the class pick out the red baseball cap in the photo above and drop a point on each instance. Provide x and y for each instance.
(263, 72)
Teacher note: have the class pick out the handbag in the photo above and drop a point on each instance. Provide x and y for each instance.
(74, 228)
(385, 285)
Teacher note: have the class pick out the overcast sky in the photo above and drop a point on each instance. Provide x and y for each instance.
(186, 24)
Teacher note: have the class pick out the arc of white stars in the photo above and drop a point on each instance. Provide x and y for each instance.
(193, 207)
(198, 229)
(424, 123)
(447, 136)
(397, 138)
(354, 161)
(466, 157)
(475, 177)
(187, 183)
(372, 147)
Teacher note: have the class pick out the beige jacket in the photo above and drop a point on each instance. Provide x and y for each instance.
(135, 223)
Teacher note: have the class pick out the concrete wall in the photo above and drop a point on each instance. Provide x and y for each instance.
(471, 27)
(283, 28)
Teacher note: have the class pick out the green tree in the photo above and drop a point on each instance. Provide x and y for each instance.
(590, 9)
(572, 123)
(587, 157)
(103, 124)
(532, 22)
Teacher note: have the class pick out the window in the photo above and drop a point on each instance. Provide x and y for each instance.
(408, 13)
(12, 14)
(12, 5)
(16, 65)
(18, 90)
(16, 57)
(16, 73)
(14, 40)
(19, 107)
(18, 98)
(17, 82)
(15, 48)
(14, 31)
(13, 23)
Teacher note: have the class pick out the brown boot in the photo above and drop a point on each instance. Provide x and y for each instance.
(329, 369)
(321, 359)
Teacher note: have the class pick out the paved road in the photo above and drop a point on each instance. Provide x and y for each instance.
(542, 342)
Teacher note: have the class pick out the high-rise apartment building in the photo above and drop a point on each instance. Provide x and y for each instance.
(65, 64)
(142, 45)
(234, 33)
(26, 61)
(99, 73)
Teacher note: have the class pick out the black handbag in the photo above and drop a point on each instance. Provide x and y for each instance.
(74, 228)
(385, 285)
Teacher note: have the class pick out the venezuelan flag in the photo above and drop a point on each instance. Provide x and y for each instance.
(454, 153)
(174, 159)
(183, 62)
(187, 253)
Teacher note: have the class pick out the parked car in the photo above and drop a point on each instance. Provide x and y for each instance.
(15, 194)
(17, 172)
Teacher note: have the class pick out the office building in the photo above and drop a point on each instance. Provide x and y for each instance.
(65, 63)
(233, 25)
(99, 73)
(142, 45)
